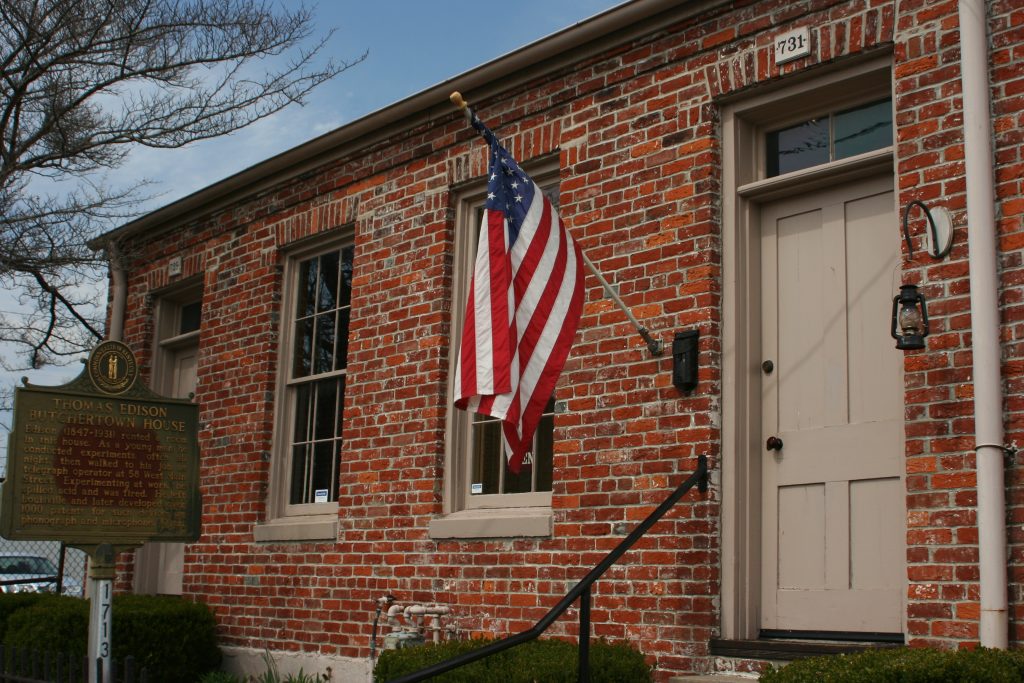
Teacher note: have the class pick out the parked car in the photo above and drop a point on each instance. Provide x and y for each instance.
(20, 573)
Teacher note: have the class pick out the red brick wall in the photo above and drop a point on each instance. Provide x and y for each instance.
(637, 133)
(942, 534)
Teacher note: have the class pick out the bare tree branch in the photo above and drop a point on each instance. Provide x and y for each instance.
(84, 81)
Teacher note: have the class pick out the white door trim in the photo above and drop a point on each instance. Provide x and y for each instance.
(742, 191)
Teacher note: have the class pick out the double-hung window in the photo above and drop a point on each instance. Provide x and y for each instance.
(482, 497)
(311, 393)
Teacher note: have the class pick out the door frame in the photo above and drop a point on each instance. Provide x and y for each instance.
(744, 189)
(151, 558)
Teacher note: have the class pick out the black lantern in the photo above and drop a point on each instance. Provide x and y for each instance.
(909, 318)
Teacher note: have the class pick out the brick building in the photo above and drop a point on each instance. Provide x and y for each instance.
(740, 168)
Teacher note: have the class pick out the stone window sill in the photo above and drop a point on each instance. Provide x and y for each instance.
(297, 529)
(494, 523)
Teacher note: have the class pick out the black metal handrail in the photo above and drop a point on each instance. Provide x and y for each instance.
(581, 591)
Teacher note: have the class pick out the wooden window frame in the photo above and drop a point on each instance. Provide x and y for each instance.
(481, 515)
(287, 521)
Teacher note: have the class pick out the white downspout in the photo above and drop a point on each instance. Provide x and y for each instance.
(118, 293)
(988, 398)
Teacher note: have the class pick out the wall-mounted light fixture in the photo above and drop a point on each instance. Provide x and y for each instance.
(909, 311)
(909, 318)
(939, 237)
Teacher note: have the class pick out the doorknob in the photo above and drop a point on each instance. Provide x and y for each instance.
(774, 443)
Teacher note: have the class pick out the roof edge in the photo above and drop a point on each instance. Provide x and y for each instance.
(634, 15)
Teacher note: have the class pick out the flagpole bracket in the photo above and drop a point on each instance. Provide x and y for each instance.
(655, 346)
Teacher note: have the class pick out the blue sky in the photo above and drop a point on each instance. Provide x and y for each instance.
(412, 46)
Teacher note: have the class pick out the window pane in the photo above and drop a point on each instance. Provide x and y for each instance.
(323, 355)
(798, 147)
(300, 473)
(326, 409)
(490, 473)
(487, 456)
(341, 343)
(863, 129)
(191, 315)
(305, 302)
(345, 291)
(322, 488)
(541, 457)
(519, 483)
(302, 406)
(302, 360)
(327, 299)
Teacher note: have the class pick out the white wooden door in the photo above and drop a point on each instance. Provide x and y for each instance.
(160, 567)
(833, 494)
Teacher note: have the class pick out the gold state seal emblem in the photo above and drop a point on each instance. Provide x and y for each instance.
(112, 367)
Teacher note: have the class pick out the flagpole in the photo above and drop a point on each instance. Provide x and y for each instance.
(654, 346)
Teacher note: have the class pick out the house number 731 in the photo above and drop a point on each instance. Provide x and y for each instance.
(792, 45)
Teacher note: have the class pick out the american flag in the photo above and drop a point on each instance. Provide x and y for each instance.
(524, 305)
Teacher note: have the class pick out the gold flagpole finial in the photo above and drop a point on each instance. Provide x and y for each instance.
(456, 98)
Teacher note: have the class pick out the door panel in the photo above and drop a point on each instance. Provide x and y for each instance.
(874, 503)
(833, 497)
(160, 567)
(184, 378)
(172, 555)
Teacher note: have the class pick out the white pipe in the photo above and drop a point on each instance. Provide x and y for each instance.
(393, 613)
(118, 293)
(988, 399)
(420, 610)
(414, 616)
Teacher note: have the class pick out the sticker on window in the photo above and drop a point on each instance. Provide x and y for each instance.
(320, 496)
(476, 488)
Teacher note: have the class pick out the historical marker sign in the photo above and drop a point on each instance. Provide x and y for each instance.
(102, 459)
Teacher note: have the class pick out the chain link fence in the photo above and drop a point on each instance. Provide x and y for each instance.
(41, 567)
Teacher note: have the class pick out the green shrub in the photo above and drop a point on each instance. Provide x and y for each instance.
(55, 619)
(905, 665)
(551, 661)
(220, 677)
(173, 638)
(11, 603)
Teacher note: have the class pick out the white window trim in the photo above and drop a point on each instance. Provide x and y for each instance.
(167, 318)
(483, 516)
(286, 522)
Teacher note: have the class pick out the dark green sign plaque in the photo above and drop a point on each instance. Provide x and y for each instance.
(102, 459)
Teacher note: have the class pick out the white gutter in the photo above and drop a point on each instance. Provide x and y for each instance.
(617, 25)
(988, 398)
(118, 293)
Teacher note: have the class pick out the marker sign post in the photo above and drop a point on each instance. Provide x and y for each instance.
(104, 464)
